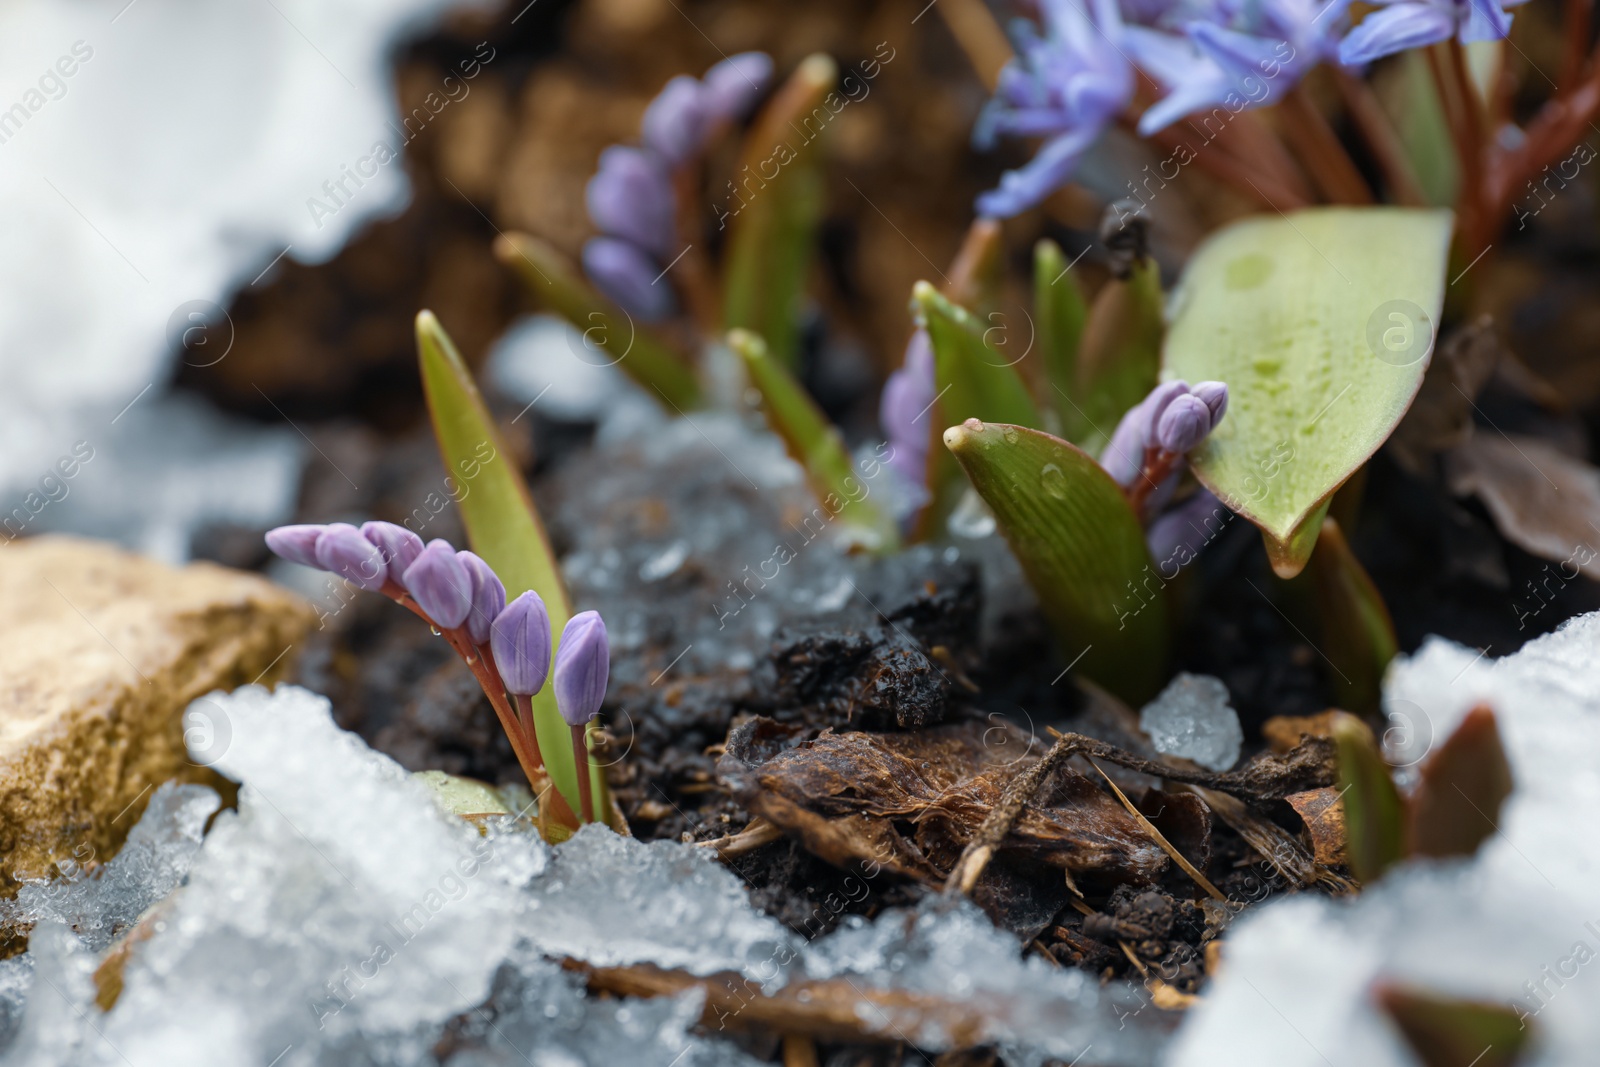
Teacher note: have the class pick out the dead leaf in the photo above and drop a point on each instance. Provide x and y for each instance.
(1541, 499)
(1323, 814)
(1283, 732)
(911, 802)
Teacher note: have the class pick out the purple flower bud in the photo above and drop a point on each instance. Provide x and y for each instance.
(1123, 457)
(675, 122)
(342, 550)
(1155, 406)
(630, 197)
(1184, 424)
(1215, 397)
(1190, 525)
(629, 277)
(297, 544)
(520, 642)
(583, 664)
(398, 545)
(488, 596)
(734, 84)
(440, 585)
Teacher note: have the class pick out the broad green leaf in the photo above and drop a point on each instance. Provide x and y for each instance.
(1081, 547)
(773, 210)
(1059, 313)
(609, 334)
(1463, 784)
(1374, 816)
(815, 444)
(502, 523)
(466, 797)
(1119, 354)
(1450, 1032)
(1358, 636)
(1321, 322)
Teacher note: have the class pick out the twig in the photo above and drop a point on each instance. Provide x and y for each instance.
(758, 833)
(1161, 839)
(980, 37)
(1004, 815)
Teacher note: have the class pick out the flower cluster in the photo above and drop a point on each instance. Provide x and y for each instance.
(1148, 445)
(507, 645)
(632, 198)
(1075, 72)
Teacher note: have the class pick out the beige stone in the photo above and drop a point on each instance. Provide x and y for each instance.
(100, 652)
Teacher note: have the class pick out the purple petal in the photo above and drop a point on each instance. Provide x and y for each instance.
(675, 122)
(1485, 22)
(583, 665)
(630, 197)
(297, 544)
(734, 84)
(1155, 405)
(342, 550)
(1190, 525)
(907, 396)
(1049, 170)
(440, 585)
(520, 642)
(1214, 395)
(488, 596)
(398, 546)
(1184, 424)
(1395, 29)
(629, 277)
(1123, 457)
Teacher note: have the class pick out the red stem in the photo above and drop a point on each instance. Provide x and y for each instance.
(580, 762)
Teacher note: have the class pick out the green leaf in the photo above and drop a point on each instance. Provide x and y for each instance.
(1119, 354)
(974, 379)
(1081, 547)
(609, 334)
(1358, 636)
(466, 797)
(814, 444)
(1374, 816)
(1321, 322)
(1059, 313)
(1463, 785)
(1450, 1032)
(775, 206)
(502, 523)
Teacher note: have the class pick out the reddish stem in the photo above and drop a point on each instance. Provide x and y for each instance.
(580, 762)
(1158, 464)
(1575, 29)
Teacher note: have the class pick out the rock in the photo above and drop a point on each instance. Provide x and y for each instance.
(100, 651)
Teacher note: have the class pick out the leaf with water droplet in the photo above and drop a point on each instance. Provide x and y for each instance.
(1322, 324)
(1080, 545)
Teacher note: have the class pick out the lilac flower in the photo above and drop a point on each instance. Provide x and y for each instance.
(583, 664)
(630, 197)
(1403, 24)
(908, 396)
(674, 124)
(399, 546)
(733, 85)
(297, 544)
(1066, 85)
(342, 550)
(1189, 525)
(1234, 56)
(1174, 418)
(1183, 425)
(630, 277)
(520, 641)
(488, 596)
(440, 585)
